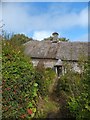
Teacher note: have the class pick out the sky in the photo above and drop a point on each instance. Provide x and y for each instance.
(40, 19)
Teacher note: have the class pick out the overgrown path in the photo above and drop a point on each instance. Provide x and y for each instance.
(49, 106)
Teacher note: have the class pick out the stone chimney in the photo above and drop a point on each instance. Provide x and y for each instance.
(55, 36)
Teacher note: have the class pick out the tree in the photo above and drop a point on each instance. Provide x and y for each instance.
(63, 39)
(20, 38)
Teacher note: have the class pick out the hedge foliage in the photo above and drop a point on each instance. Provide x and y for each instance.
(19, 86)
(75, 88)
(80, 105)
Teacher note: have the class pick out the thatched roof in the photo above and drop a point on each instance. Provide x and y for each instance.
(59, 50)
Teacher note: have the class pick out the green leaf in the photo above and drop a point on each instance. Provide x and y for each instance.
(35, 84)
(87, 107)
(30, 105)
(34, 110)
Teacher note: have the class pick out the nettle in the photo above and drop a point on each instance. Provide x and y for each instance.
(18, 83)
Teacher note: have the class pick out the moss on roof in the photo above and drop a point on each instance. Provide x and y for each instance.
(59, 50)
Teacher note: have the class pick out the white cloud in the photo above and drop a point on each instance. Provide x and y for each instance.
(72, 19)
(83, 20)
(17, 19)
(40, 35)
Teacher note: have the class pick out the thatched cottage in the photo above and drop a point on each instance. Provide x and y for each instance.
(54, 53)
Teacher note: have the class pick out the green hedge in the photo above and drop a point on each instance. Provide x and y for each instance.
(19, 86)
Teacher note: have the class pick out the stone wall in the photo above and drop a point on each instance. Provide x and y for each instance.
(47, 62)
(51, 62)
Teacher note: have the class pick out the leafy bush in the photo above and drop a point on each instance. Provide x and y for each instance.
(44, 78)
(19, 86)
(69, 83)
(75, 88)
(63, 39)
(20, 39)
(80, 105)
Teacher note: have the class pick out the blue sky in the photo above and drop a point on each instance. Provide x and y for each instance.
(40, 19)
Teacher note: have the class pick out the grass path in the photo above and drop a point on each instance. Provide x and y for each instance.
(47, 106)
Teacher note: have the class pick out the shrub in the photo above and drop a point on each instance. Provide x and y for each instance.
(19, 86)
(80, 105)
(69, 83)
(68, 89)
(44, 78)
